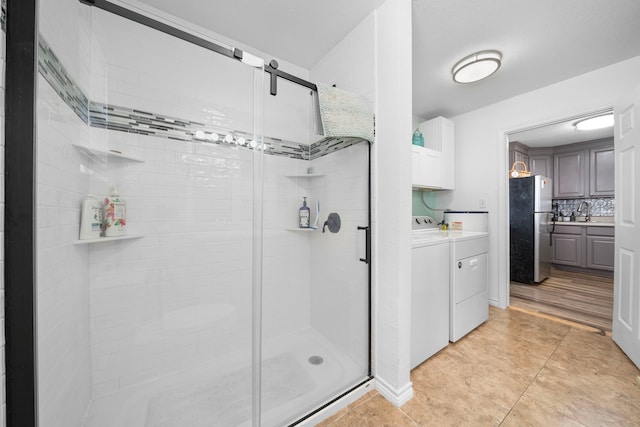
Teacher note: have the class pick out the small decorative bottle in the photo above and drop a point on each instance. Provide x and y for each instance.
(90, 218)
(304, 213)
(115, 215)
(418, 139)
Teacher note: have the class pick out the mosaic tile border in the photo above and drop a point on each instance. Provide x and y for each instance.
(3, 15)
(130, 120)
(50, 67)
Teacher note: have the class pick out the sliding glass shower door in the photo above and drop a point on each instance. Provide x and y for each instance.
(204, 302)
(153, 325)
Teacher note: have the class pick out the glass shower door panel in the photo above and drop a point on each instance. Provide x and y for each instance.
(156, 329)
(316, 289)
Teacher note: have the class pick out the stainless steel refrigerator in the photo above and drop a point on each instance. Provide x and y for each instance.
(530, 228)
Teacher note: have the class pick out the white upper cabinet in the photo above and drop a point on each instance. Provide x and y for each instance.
(433, 166)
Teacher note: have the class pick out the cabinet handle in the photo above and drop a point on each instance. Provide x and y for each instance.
(459, 264)
(367, 257)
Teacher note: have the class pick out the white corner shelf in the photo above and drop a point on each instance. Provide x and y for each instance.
(306, 175)
(108, 239)
(99, 155)
(302, 229)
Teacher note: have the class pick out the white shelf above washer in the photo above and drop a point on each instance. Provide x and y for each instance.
(306, 175)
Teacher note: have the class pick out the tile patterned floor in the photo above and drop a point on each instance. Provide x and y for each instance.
(515, 370)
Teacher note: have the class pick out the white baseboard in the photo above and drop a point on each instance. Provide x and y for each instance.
(397, 396)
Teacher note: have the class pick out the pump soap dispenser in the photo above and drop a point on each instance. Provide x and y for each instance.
(115, 215)
(304, 213)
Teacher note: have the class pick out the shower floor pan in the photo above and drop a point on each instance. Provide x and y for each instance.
(218, 392)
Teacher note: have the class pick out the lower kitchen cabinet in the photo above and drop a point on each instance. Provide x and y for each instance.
(600, 248)
(568, 250)
(584, 246)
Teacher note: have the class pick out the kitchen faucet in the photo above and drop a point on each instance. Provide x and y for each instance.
(587, 217)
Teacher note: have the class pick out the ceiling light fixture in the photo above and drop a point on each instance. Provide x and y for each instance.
(477, 66)
(597, 122)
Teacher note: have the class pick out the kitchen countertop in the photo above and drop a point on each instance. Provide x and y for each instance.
(605, 221)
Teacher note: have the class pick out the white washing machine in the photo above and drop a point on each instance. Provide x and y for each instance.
(429, 290)
(469, 271)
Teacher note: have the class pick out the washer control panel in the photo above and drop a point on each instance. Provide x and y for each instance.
(423, 222)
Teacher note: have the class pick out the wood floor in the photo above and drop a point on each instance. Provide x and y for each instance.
(582, 298)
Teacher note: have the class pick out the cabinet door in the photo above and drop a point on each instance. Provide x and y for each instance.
(568, 250)
(541, 165)
(569, 174)
(601, 172)
(426, 168)
(600, 252)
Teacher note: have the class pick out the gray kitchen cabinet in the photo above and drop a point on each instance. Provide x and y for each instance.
(541, 163)
(518, 153)
(601, 171)
(584, 246)
(569, 174)
(600, 248)
(568, 249)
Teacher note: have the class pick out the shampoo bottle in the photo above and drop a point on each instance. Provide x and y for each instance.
(115, 214)
(304, 214)
(90, 218)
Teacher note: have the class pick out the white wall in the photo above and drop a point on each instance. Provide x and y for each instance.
(481, 150)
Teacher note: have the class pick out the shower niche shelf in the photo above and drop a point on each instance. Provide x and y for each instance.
(302, 229)
(99, 156)
(108, 239)
(305, 175)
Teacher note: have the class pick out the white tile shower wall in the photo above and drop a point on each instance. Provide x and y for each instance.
(288, 253)
(62, 270)
(66, 25)
(182, 294)
(339, 280)
(138, 67)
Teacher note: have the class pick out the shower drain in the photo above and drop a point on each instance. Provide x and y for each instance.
(316, 360)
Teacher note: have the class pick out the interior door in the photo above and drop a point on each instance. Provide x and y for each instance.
(626, 300)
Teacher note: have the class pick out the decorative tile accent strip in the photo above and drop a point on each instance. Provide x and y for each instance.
(123, 119)
(603, 206)
(56, 75)
(3, 16)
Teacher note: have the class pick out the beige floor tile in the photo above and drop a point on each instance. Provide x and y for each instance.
(582, 350)
(529, 412)
(369, 395)
(375, 412)
(592, 398)
(458, 404)
(519, 370)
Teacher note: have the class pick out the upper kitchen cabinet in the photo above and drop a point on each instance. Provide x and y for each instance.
(518, 153)
(433, 166)
(541, 162)
(569, 174)
(584, 170)
(602, 175)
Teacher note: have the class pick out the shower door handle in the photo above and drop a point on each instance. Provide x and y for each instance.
(367, 257)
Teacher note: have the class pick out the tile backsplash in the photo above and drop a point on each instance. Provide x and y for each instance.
(602, 206)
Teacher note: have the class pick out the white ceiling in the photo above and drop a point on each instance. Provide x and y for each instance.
(542, 41)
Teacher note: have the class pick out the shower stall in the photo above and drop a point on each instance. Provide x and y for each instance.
(214, 308)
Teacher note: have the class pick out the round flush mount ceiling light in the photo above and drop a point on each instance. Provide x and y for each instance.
(597, 122)
(477, 66)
